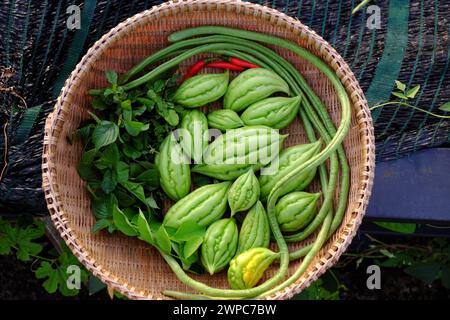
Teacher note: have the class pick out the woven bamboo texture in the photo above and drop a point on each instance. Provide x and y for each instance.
(131, 266)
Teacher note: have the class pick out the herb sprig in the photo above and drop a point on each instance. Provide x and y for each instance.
(119, 146)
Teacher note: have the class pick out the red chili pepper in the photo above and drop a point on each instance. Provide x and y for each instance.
(194, 69)
(243, 63)
(224, 65)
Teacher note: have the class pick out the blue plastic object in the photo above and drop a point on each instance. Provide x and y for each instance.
(416, 188)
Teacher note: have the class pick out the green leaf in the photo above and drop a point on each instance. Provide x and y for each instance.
(57, 274)
(131, 152)
(139, 110)
(111, 76)
(122, 223)
(150, 177)
(99, 104)
(124, 198)
(400, 259)
(188, 230)
(89, 156)
(13, 236)
(149, 104)
(144, 229)
(191, 246)
(122, 171)
(100, 225)
(135, 127)
(411, 93)
(172, 117)
(102, 206)
(126, 105)
(406, 228)
(109, 181)
(85, 167)
(445, 107)
(151, 202)
(104, 134)
(162, 240)
(46, 271)
(158, 85)
(109, 159)
(387, 253)
(425, 271)
(84, 133)
(188, 262)
(400, 85)
(400, 95)
(26, 249)
(136, 189)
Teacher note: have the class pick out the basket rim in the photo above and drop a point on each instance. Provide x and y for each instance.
(329, 55)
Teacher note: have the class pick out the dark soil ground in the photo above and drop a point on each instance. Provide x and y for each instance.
(17, 281)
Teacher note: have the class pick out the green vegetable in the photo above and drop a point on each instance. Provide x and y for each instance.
(194, 134)
(307, 181)
(288, 160)
(252, 86)
(203, 206)
(219, 245)
(255, 229)
(248, 267)
(224, 119)
(202, 89)
(256, 145)
(174, 171)
(295, 210)
(222, 171)
(244, 192)
(274, 112)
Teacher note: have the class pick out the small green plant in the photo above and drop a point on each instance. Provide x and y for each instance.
(408, 94)
(25, 241)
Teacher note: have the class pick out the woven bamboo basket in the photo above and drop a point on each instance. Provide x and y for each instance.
(131, 266)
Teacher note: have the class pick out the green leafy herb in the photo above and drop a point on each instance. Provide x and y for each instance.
(21, 239)
(400, 85)
(162, 240)
(105, 133)
(411, 93)
(122, 223)
(111, 76)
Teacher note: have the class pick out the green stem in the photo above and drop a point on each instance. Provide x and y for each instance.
(405, 104)
(36, 256)
(309, 258)
(360, 6)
